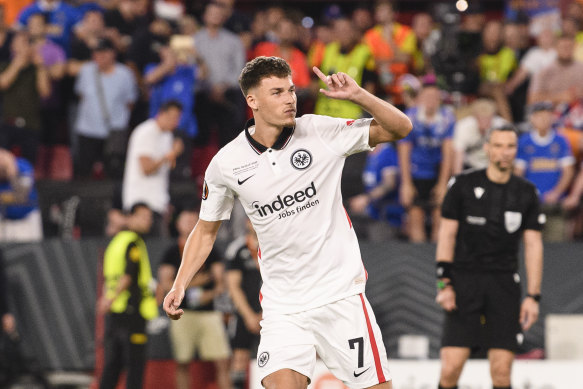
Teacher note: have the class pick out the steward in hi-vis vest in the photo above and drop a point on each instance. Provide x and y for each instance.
(127, 301)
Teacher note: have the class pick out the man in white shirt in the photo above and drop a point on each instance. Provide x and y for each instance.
(313, 277)
(152, 153)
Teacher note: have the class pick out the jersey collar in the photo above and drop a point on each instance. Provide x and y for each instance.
(279, 144)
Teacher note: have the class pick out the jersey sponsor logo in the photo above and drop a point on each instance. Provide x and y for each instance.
(282, 202)
(356, 375)
(301, 159)
(263, 359)
(512, 221)
(479, 191)
(241, 182)
(476, 220)
(205, 191)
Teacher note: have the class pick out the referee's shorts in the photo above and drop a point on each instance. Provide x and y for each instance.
(487, 314)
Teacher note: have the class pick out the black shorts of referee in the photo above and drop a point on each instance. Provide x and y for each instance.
(243, 339)
(487, 314)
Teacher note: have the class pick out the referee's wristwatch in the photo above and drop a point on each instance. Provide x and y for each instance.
(535, 297)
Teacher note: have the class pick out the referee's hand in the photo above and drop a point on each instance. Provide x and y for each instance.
(172, 302)
(446, 298)
(528, 313)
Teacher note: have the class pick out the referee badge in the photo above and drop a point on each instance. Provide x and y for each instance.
(512, 221)
(301, 159)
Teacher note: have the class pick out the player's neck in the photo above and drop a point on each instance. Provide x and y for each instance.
(265, 133)
(498, 176)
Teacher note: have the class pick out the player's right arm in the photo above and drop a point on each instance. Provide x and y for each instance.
(197, 249)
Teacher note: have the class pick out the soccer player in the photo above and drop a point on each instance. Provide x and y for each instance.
(286, 173)
(485, 213)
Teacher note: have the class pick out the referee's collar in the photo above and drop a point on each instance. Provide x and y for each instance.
(282, 140)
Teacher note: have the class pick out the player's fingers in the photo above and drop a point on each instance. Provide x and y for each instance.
(336, 80)
(342, 77)
(319, 73)
(325, 92)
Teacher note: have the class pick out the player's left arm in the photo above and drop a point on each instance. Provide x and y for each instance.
(533, 258)
(389, 124)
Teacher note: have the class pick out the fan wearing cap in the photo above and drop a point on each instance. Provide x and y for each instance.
(544, 158)
(107, 91)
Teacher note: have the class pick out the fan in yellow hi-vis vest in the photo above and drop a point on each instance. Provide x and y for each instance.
(349, 56)
(127, 301)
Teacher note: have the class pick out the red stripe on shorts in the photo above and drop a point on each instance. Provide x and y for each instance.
(373, 343)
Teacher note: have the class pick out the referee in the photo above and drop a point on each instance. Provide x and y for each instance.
(484, 214)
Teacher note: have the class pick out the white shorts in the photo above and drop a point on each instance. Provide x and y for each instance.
(344, 334)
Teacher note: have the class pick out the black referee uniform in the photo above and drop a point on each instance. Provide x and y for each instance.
(492, 218)
(251, 286)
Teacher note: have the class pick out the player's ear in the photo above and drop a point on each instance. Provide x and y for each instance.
(251, 101)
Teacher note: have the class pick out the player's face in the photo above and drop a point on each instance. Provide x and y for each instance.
(502, 149)
(274, 101)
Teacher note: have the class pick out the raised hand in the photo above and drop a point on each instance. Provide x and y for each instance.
(339, 85)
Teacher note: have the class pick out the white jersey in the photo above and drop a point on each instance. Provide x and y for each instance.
(309, 254)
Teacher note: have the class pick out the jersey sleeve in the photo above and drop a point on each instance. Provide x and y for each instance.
(217, 197)
(451, 206)
(344, 136)
(534, 218)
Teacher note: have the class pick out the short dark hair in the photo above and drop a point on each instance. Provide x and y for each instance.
(170, 104)
(505, 127)
(137, 206)
(262, 67)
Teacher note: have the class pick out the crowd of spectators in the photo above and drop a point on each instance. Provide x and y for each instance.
(81, 75)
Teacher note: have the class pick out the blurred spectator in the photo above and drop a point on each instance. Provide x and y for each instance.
(152, 153)
(286, 33)
(425, 41)
(544, 157)
(127, 301)
(496, 63)
(536, 59)
(176, 78)
(52, 107)
(425, 162)
(562, 81)
(7, 321)
(188, 25)
(470, 134)
(107, 90)
(345, 54)
(273, 15)
(61, 18)
(90, 31)
(124, 20)
(235, 21)
(362, 18)
(244, 285)
(220, 105)
(20, 217)
(201, 329)
(517, 39)
(145, 46)
(24, 82)
(392, 45)
(381, 200)
(323, 35)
